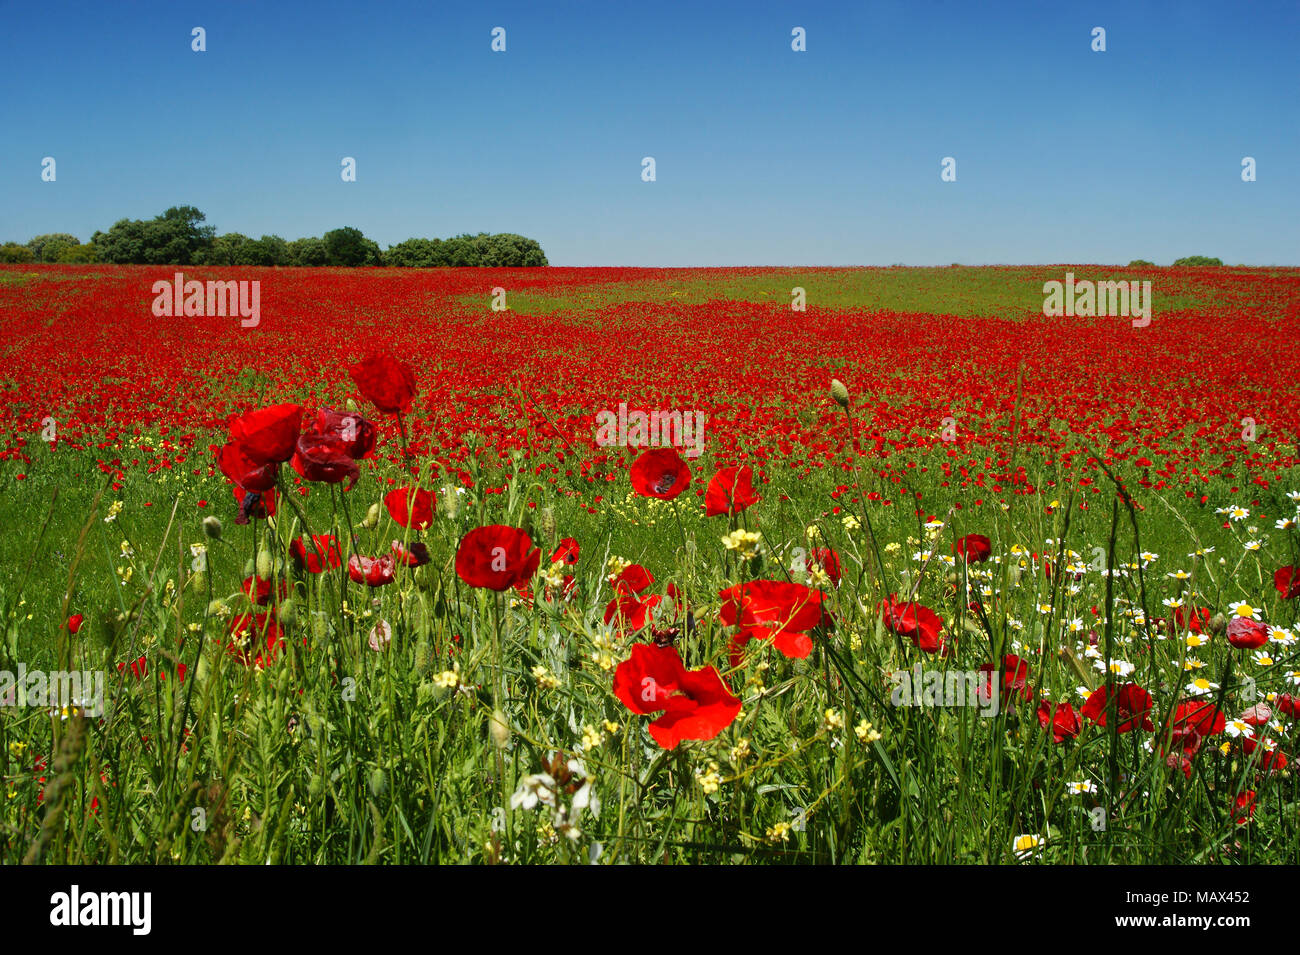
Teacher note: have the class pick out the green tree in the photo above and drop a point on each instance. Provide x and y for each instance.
(1195, 260)
(48, 248)
(308, 252)
(78, 254)
(13, 252)
(173, 238)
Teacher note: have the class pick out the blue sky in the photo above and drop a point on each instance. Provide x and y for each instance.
(764, 156)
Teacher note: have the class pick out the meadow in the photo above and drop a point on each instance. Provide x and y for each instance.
(364, 585)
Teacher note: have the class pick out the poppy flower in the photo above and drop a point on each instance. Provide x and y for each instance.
(260, 593)
(730, 491)
(919, 624)
(632, 612)
(1198, 716)
(1133, 707)
(632, 579)
(775, 610)
(244, 471)
(138, 667)
(1270, 760)
(372, 571)
(74, 622)
(258, 504)
(974, 548)
(355, 434)
(318, 555)
(387, 383)
(410, 507)
(1287, 581)
(1193, 619)
(696, 704)
(1288, 704)
(567, 551)
(255, 639)
(268, 435)
(1243, 807)
(1015, 678)
(1061, 718)
(322, 458)
(414, 554)
(660, 473)
(828, 561)
(1247, 634)
(497, 557)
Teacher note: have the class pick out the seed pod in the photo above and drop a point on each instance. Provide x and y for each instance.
(839, 393)
(212, 526)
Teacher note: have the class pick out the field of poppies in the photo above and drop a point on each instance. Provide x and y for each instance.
(640, 565)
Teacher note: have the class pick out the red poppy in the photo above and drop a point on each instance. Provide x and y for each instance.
(74, 622)
(322, 458)
(633, 612)
(268, 435)
(1198, 716)
(497, 557)
(1257, 715)
(632, 579)
(244, 471)
(1133, 707)
(1289, 704)
(1287, 581)
(264, 589)
(730, 491)
(1194, 619)
(567, 551)
(316, 556)
(920, 624)
(389, 384)
(410, 507)
(355, 434)
(1062, 719)
(975, 548)
(138, 667)
(259, 504)
(372, 571)
(774, 610)
(414, 554)
(1015, 678)
(696, 703)
(256, 639)
(660, 473)
(1247, 634)
(828, 561)
(1270, 760)
(1243, 807)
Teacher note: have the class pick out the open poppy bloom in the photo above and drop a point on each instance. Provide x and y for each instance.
(372, 571)
(322, 458)
(410, 507)
(355, 434)
(1268, 760)
(696, 704)
(258, 504)
(244, 471)
(1133, 706)
(497, 557)
(567, 551)
(1286, 580)
(775, 610)
(1247, 634)
(74, 622)
(1060, 718)
(255, 639)
(633, 612)
(268, 435)
(317, 555)
(660, 473)
(919, 624)
(632, 579)
(1193, 619)
(973, 548)
(261, 591)
(730, 491)
(1015, 678)
(387, 383)
(414, 554)
(1243, 807)
(828, 561)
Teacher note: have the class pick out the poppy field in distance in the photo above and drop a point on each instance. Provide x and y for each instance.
(744, 565)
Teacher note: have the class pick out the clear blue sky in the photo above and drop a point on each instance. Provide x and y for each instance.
(764, 156)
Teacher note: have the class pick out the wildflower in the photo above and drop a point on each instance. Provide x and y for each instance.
(545, 679)
(711, 780)
(114, 509)
(447, 679)
(780, 832)
(865, 732)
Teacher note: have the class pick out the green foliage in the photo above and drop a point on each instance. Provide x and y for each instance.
(173, 238)
(1197, 260)
(1141, 264)
(48, 248)
(308, 252)
(350, 247)
(13, 252)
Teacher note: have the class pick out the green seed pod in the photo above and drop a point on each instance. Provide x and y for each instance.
(212, 527)
(839, 393)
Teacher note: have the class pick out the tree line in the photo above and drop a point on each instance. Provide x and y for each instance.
(179, 237)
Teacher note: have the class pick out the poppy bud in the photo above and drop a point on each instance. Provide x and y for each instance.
(212, 527)
(287, 612)
(265, 564)
(1218, 624)
(372, 517)
(351, 405)
(316, 786)
(378, 784)
(546, 523)
(839, 393)
(450, 502)
(499, 729)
